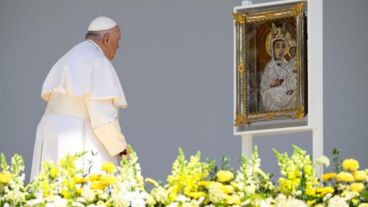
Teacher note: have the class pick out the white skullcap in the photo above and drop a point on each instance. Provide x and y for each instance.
(101, 23)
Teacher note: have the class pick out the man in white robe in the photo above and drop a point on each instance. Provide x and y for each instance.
(84, 95)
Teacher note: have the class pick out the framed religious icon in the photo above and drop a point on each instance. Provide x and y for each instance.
(270, 63)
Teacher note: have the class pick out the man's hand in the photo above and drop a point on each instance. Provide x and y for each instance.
(124, 153)
(276, 82)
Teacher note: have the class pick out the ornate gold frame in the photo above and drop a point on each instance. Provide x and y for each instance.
(242, 20)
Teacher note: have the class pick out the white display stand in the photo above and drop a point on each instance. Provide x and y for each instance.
(315, 81)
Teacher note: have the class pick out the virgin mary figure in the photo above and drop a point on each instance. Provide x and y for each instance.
(276, 91)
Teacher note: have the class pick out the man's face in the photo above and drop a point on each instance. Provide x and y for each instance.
(113, 43)
(279, 49)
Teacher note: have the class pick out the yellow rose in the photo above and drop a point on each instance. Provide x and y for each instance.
(328, 176)
(108, 180)
(324, 190)
(5, 178)
(224, 176)
(344, 177)
(356, 187)
(360, 175)
(350, 164)
(108, 167)
(197, 195)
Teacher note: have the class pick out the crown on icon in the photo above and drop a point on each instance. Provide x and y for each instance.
(278, 32)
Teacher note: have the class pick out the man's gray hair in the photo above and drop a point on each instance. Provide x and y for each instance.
(97, 34)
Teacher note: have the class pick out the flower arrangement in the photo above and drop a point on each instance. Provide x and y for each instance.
(192, 183)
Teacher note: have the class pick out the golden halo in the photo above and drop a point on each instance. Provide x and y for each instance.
(268, 43)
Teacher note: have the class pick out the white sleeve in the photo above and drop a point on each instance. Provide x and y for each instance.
(105, 124)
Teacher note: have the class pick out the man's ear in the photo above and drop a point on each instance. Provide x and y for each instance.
(106, 39)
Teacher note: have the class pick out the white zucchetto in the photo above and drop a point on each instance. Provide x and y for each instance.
(101, 23)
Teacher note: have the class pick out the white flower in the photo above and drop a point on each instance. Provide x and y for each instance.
(60, 203)
(182, 198)
(283, 201)
(337, 201)
(173, 204)
(265, 203)
(88, 194)
(34, 202)
(324, 161)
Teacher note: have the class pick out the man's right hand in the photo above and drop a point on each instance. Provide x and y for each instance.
(276, 82)
(124, 153)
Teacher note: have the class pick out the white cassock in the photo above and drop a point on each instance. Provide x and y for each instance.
(84, 95)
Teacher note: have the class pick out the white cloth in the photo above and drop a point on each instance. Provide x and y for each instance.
(84, 94)
(276, 98)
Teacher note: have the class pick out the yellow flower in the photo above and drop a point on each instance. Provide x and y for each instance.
(227, 189)
(233, 199)
(5, 178)
(197, 195)
(350, 164)
(94, 177)
(79, 191)
(204, 183)
(363, 205)
(108, 180)
(46, 189)
(65, 193)
(360, 175)
(79, 180)
(324, 190)
(54, 172)
(356, 187)
(97, 185)
(344, 177)
(328, 176)
(309, 191)
(224, 176)
(108, 167)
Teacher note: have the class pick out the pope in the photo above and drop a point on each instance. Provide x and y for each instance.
(84, 95)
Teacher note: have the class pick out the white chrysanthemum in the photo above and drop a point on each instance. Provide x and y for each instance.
(283, 201)
(337, 201)
(215, 193)
(173, 204)
(88, 194)
(264, 203)
(323, 161)
(59, 202)
(182, 198)
(35, 202)
(15, 196)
